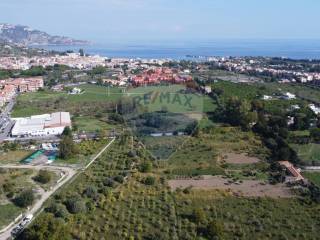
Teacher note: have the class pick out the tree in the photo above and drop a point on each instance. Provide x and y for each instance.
(215, 230)
(46, 227)
(25, 199)
(145, 167)
(59, 210)
(119, 179)
(149, 180)
(191, 127)
(91, 192)
(67, 147)
(67, 132)
(199, 216)
(43, 177)
(75, 205)
(315, 134)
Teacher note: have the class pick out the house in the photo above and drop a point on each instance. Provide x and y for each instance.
(315, 109)
(266, 97)
(75, 91)
(288, 96)
(294, 172)
(208, 89)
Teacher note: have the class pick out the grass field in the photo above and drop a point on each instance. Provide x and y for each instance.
(314, 177)
(200, 155)
(13, 156)
(8, 213)
(91, 124)
(48, 101)
(173, 98)
(309, 153)
(302, 91)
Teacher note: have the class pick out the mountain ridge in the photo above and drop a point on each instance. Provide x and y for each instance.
(24, 35)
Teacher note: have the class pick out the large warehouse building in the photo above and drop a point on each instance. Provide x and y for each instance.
(41, 125)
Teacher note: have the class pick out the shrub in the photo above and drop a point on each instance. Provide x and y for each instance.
(75, 205)
(198, 216)
(25, 199)
(149, 180)
(43, 177)
(145, 167)
(109, 183)
(119, 179)
(91, 192)
(215, 230)
(59, 210)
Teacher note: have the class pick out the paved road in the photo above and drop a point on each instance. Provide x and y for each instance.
(5, 122)
(99, 154)
(68, 174)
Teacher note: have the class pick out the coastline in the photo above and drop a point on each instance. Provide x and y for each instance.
(294, 49)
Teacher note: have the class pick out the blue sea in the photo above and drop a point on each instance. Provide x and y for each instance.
(295, 49)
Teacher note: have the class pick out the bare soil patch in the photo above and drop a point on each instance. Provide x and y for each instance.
(235, 158)
(248, 188)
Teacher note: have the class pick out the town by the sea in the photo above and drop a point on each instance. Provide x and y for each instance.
(294, 49)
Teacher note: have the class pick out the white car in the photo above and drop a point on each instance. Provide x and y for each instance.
(27, 219)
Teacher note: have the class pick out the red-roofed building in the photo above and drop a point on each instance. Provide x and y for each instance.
(159, 75)
(292, 170)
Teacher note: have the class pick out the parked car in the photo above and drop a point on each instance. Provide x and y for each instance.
(27, 219)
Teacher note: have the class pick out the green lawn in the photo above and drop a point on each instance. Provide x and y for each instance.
(308, 152)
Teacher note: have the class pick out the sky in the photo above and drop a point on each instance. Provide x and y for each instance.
(167, 20)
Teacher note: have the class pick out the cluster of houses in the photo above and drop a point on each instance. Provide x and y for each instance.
(70, 59)
(284, 96)
(258, 65)
(9, 87)
(160, 75)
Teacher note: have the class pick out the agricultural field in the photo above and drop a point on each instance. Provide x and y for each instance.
(162, 147)
(203, 155)
(309, 153)
(112, 200)
(225, 76)
(242, 90)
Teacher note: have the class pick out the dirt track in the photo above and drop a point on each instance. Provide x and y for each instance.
(234, 158)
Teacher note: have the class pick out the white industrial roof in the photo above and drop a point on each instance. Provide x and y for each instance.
(40, 122)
